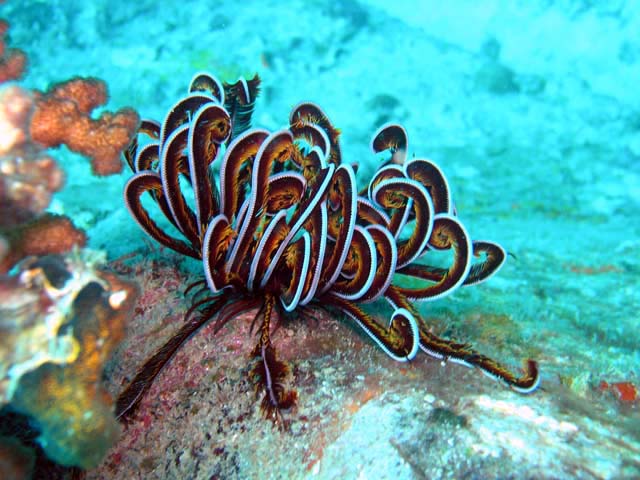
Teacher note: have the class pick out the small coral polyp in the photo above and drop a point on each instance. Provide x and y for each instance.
(283, 227)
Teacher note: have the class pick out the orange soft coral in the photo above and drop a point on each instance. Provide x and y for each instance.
(45, 235)
(63, 115)
(30, 122)
(12, 61)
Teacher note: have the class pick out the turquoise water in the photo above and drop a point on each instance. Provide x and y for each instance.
(532, 110)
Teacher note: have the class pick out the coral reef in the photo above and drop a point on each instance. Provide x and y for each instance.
(47, 234)
(29, 175)
(29, 178)
(61, 317)
(63, 116)
(12, 61)
(31, 122)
